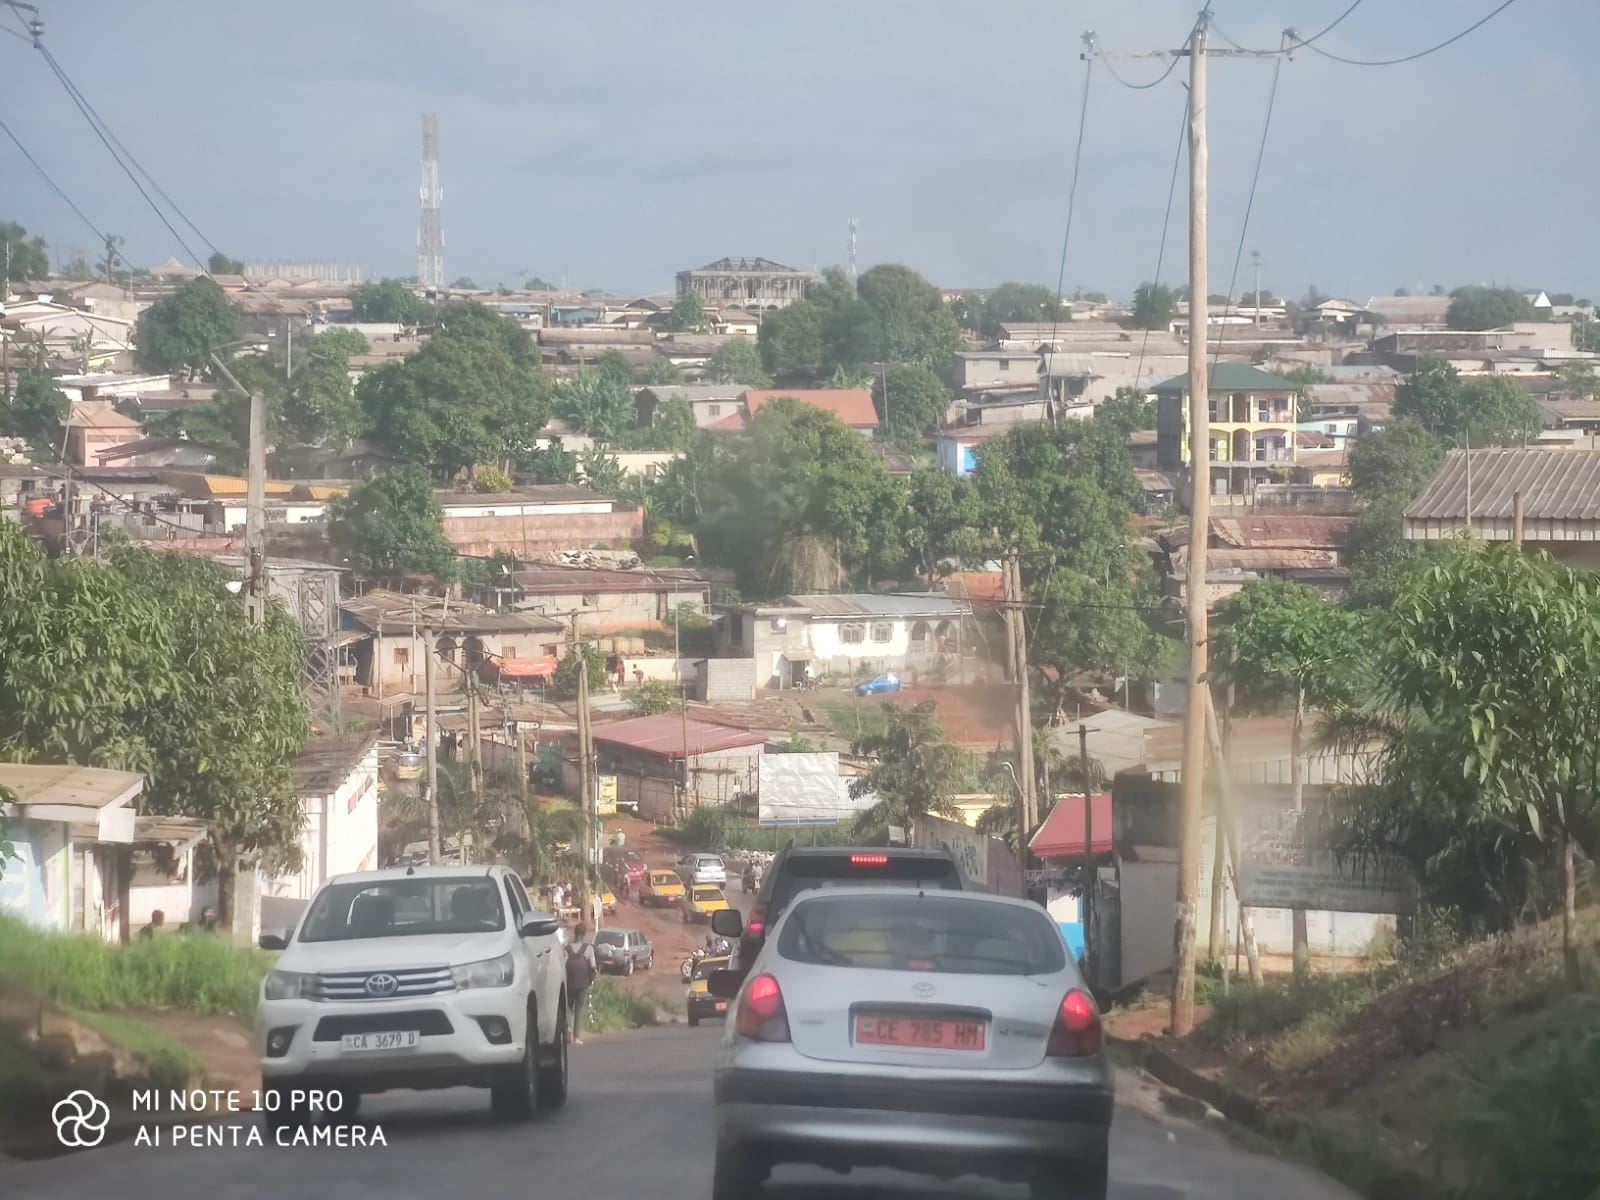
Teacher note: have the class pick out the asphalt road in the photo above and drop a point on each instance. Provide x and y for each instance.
(639, 1123)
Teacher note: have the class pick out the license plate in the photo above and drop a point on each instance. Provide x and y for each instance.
(920, 1032)
(390, 1039)
(722, 1006)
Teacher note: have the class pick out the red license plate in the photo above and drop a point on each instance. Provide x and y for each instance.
(722, 1006)
(937, 1033)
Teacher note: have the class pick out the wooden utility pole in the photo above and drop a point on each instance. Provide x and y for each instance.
(431, 734)
(1194, 724)
(1226, 826)
(1017, 654)
(1087, 904)
(255, 513)
(474, 747)
(585, 782)
(1219, 861)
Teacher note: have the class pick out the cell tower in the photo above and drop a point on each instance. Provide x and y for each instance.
(852, 249)
(430, 230)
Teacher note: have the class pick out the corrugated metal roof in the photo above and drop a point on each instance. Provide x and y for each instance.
(1232, 377)
(533, 493)
(863, 604)
(668, 734)
(1062, 834)
(1556, 485)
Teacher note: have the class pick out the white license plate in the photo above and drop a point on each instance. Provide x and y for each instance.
(393, 1039)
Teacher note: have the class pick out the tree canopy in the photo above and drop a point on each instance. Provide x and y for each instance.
(1153, 305)
(914, 771)
(687, 314)
(914, 323)
(22, 256)
(739, 361)
(596, 404)
(177, 332)
(149, 663)
(1396, 460)
(1486, 411)
(392, 525)
(914, 401)
(1013, 301)
(389, 301)
(1474, 307)
(34, 410)
(220, 264)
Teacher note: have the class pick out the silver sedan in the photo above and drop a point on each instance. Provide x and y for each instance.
(940, 1032)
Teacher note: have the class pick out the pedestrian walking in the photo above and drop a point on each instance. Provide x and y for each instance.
(581, 970)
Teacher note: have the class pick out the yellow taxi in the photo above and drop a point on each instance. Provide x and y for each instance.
(698, 1000)
(703, 900)
(608, 902)
(661, 887)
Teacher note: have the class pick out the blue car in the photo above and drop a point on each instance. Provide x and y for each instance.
(887, 682)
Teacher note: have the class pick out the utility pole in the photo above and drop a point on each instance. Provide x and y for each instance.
(255, 513)
(474, 743)
(1226, 825)
(1220, 852)
(431, 717)
(1088, 856)
(1194, 728)
(585, 780)
(1255, 263)
(1017, 652)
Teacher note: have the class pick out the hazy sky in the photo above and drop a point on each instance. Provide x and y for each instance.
(615, 142)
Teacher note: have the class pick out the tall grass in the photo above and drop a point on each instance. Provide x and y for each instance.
(612, 1008)
(192, 971)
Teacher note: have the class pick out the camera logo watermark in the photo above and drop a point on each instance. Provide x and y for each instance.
(81, 1120)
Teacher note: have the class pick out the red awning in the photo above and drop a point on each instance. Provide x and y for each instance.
(1061, 835)
(542, 667)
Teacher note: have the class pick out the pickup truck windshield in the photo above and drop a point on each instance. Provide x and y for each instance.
(400, 907)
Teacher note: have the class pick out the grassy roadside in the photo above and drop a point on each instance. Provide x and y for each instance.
(170, 1063)
(613, 1008)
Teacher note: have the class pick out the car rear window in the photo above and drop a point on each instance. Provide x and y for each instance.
(801, 873)
(708, 893)
(663, 877)
(610, 937)
(921, 932)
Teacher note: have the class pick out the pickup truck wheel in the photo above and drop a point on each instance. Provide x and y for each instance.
(553, 1075)
(628, 970)
(515, 1091)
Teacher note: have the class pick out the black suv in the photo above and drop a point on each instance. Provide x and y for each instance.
(799, 868)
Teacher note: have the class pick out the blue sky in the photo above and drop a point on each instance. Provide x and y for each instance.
(615, 142)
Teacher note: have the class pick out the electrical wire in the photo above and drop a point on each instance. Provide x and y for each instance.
(1391, 62)
(50, 183)
(1166, 224)
(1296, 41)
(1066, 237)
(1141, 87)
(1244, 227)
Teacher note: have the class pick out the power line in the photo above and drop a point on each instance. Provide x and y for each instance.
(1326, 29)
(1140, 87)
(1166, 223)
(1295, 40)
(1072, 203)
(1244, 228)
(50, 183)
(1391, 62)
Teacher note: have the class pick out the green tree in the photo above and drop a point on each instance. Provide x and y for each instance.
(320, 407)
(914, 772)
(914, 324)
(597, 405)
(220, 264)
(738, 361)
(1474, 307)
(488, 479)
(112, 257)
(1396, 460)
(673, 425)
(538, 283)
(177, 332)
(471, 394)
(602, 471)
(612, 366)
(566, 676)
(1153, 306)
(791, 341)
(1490, 410)
(389, 301)
(34, 411)
(392, 525)
(1127, 409)
(21, 256)
(1088, 624)
(654, 697)
(1580, 380)
(944, 519)
(659, 373)
(545, 853)
(1012, 302)
(687, 315)
(914, 401)
(149, 663)
(550, 463)
(341, 340)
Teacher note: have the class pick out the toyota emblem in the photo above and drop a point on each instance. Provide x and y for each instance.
(921, 989)
(382, 984)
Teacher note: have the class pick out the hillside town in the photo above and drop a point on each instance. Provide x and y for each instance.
(1244, 642)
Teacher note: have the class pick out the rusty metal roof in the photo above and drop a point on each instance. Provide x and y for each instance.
(669, 734)
(1556, 485)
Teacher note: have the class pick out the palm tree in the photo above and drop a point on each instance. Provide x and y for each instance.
(113, 255)
(550, 847)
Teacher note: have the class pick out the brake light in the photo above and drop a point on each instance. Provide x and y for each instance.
(762, 1017)
(758, 920)
(869, 860)
(1077, 1032)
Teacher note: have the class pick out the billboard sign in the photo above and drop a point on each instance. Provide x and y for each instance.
(804, 789)
(1285, 863)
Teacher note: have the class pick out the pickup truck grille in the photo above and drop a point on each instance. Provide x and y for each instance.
(409, 981)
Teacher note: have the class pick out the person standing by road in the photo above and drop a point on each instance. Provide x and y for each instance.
(581, 970)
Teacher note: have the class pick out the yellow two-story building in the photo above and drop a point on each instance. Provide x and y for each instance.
(1252, 426)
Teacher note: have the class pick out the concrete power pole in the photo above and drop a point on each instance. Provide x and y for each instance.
(586, 797)
(1017, 654)
(431, 733)
(1088, 857)
(1194, 721)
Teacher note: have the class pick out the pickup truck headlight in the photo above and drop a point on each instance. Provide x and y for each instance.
(289, 985)
(489, 972)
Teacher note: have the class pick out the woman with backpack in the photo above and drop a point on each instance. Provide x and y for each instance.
(581, 970)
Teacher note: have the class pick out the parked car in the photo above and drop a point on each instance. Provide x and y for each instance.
(661, 887)
(698, 1001)
(702, 901)
(887, 682)
(617, 861)
(703, 868)
(623, 951)
(422, 977)
(796, 869)
(939, 1032)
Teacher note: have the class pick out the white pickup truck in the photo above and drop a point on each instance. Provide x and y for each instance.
(414, 978)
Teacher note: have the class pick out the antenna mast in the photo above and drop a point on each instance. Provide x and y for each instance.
(852, 249)
(430, 229)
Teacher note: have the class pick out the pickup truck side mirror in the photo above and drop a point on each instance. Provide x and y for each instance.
(538, 925)
(725, 984)
(727, 922)
(272, 941)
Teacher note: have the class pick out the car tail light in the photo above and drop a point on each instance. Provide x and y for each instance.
(757, 924)
(869, 860)
(762, 1016)
(1077, 1032)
